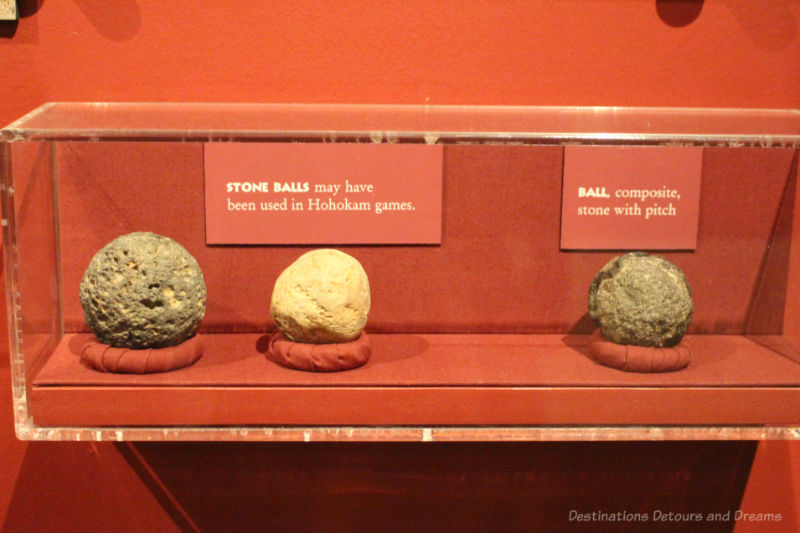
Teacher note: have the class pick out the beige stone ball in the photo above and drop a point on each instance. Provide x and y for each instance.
(323, 297)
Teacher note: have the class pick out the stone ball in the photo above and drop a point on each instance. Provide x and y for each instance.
(323, 297)
(641, 299)
(143, 290)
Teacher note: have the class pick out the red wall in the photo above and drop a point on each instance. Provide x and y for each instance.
(725, 53)
(737, 53)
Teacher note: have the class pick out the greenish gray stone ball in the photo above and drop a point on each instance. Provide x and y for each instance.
(143, 290)
(641, 299)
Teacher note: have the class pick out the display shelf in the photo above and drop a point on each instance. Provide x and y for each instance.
(426, 380)
(480, 338)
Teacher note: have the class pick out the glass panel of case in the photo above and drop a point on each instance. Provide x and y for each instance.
(484, 337)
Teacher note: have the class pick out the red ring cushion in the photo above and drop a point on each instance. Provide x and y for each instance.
(632, 358)
(319, 357)
(146, 361)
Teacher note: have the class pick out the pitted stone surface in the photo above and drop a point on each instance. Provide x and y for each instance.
(323, 297)
(143, 290)
(641, 299)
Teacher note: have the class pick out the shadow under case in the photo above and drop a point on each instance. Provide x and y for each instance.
(483, 337)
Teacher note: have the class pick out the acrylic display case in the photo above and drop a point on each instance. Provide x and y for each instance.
(480, 337)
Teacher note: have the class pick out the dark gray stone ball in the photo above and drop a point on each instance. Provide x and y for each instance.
(641, 299)
(143, 290)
